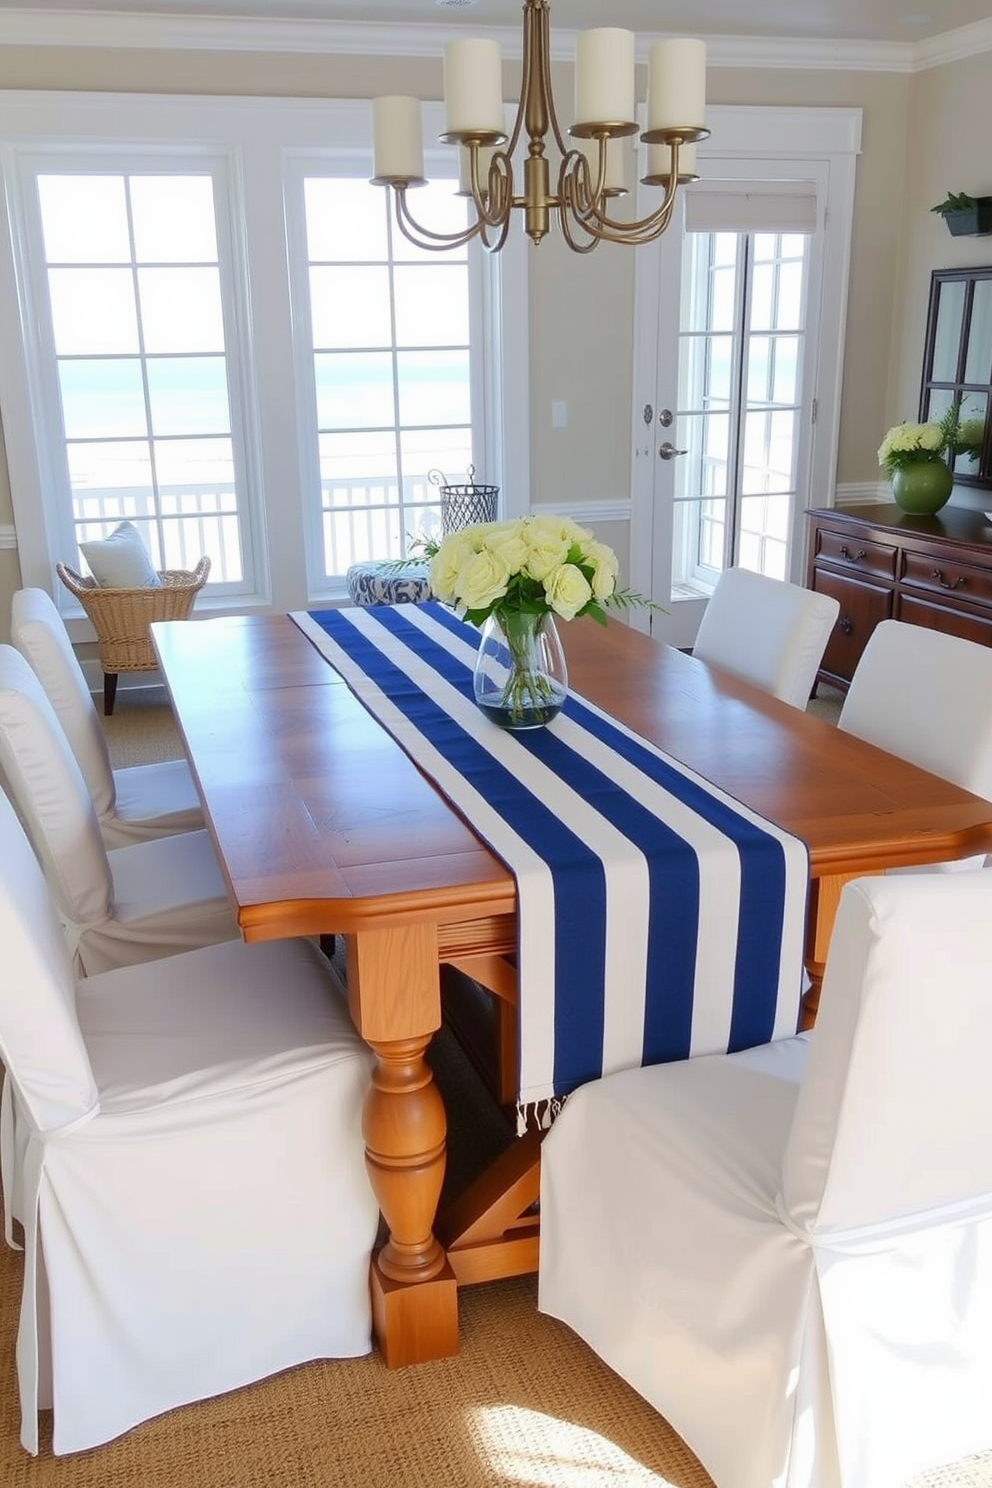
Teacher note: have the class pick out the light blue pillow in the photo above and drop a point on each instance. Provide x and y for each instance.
(121, 561)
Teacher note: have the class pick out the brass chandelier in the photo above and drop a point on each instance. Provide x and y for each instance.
(590, 172)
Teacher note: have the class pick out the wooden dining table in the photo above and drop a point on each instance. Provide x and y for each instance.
(323, 826)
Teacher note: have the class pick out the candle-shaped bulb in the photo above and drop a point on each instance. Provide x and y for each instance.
(398, 145)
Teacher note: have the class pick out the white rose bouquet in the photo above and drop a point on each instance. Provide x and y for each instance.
(532, 566)
(520, 571)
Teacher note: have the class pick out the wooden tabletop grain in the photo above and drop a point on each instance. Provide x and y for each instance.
(323, 824)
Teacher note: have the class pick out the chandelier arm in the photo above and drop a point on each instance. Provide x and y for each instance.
(640, 230)
(423, 237)
(493, 204)
(530, 21)
(628, 234)
(565, 223)
(495, 244)
(575, 189)
(543, 23)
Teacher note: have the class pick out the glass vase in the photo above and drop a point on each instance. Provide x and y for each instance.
(521, 680)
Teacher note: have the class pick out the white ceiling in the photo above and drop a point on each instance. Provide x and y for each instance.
(855, 20)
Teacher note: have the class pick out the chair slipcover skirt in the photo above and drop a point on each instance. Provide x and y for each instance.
(210, 1221)
(788, 1251)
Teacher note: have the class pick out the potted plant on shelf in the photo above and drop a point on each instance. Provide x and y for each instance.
(965, 215)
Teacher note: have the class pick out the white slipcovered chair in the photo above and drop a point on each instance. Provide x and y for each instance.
(767, 632)
(132, 904)
(134, 803)
(198, 1213)
(926, 697)
(788, 1252)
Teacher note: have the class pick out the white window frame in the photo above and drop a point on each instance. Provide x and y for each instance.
(57, 500)
(253, 139)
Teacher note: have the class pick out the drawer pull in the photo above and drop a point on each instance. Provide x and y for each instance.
(844, 625)
(959, 582)
(845, 552)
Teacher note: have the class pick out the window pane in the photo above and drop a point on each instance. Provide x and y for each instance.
(424, 450)
(346, 221)
(350, 306)
(759, 354)
(768, 451)
(785, 385)
(102, 399)
(705, 368)
(356, 536)
(762, 297)
(434, 387)
(84, 219)
(789, 311)
(704, 469)
(173, 219)
(188, 395)
(110, 481)
(204, 466)
(358, 468)
(93, 311)
(181, 310)
(723, 299)
(185, 539)
(432, 305)
(354, 389)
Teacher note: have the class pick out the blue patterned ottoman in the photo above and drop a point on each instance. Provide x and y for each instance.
(385, 584)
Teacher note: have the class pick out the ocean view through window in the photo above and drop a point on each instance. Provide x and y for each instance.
(218, 340)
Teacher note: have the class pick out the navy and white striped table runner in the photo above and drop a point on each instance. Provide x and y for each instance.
(658, 918)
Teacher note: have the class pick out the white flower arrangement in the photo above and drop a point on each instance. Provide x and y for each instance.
(531, 566)
(912, 444)
(929, 444)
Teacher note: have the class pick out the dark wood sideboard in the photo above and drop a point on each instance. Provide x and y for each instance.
(880, 563)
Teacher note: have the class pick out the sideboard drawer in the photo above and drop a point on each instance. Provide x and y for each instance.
(934, 573)
(970, 627)
(858, 554)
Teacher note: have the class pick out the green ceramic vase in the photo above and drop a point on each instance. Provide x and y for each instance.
(922, 488)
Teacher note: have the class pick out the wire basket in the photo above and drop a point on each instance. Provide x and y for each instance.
(464, 505)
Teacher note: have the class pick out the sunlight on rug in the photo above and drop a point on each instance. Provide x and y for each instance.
(533, 1450)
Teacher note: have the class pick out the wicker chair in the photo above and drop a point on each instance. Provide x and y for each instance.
(121, 617)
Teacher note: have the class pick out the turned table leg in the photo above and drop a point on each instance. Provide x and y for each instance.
(395, 1001)
(824, 897)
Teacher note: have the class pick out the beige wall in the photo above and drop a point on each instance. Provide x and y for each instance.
(950, 127)
(582, 308)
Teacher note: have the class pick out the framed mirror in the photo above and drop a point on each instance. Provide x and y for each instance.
(957, 365)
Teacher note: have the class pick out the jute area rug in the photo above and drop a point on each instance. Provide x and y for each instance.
(524, 1404)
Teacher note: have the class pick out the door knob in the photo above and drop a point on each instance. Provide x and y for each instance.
(668, 451)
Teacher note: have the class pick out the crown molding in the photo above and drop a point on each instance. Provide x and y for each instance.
(953, 46)
(8, 536)
(115, 29)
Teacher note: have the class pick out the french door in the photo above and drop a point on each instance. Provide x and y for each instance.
(739, 332)
(740, 413)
